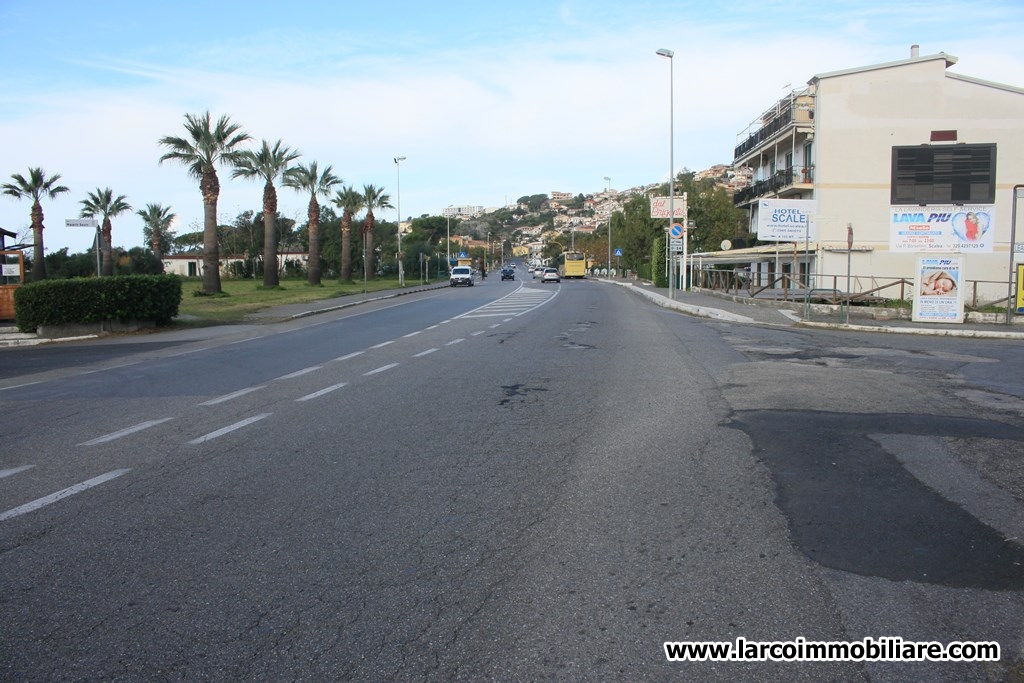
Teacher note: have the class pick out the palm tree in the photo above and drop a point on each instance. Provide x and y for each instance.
(201, 151)
(267, 163)
(157, 220)
(350, 202)
(104, 204)
(309, 179)
(373, 198)
(36, 186)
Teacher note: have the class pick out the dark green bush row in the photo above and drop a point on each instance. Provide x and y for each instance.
(96, 299)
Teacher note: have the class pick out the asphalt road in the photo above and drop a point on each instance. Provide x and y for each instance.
(512, 481)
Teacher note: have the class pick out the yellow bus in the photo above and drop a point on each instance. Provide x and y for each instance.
(572, 264)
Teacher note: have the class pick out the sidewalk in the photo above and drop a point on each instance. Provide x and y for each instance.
(731, 308)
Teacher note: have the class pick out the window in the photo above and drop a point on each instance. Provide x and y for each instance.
(944, 174)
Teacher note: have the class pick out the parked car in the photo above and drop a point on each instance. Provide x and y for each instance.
(551, 275)
(508, 274)
(461, 275)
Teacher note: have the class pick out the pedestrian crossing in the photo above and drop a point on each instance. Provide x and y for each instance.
(523, 300)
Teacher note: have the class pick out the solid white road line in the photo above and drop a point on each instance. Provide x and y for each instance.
(125, 432)
(230, 428)
(64, 493)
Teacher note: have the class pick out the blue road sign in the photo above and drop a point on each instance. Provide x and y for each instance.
(618, 252)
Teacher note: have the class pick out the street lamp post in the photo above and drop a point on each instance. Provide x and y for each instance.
(398, 186)
(671, 168)
(607, 194)
(448, 245)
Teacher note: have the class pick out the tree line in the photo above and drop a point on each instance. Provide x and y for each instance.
(208, 144)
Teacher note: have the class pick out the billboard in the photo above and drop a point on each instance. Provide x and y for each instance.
(938, 294)
(659, 207)
(786, 220)
(962, 229)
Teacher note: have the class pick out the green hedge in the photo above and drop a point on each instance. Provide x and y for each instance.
(96, 299)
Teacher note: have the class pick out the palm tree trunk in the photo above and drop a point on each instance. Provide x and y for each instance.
(368, 266)
(210, 187)
(314, 243)
(38, 264)
(107, 249)
(346, 246)
(271, 278)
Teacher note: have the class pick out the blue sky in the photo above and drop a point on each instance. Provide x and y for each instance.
(487, 101)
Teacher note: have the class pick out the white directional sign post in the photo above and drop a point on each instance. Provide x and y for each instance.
(87, 223)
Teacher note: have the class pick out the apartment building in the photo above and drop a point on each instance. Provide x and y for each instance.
(895, 160)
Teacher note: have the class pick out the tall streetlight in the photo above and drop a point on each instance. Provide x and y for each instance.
(671, 168)
(448, 245)
(398, 171)
(607, 194)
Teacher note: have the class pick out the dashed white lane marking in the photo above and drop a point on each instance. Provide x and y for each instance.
(325, 390)
(383, 368)
(424, 353)
(125, 432)
(299, 373)
(382, 344)
(233, 395)
(230, 428)
(350, 355)
(63, 493)
(453, 342)
(14, 470)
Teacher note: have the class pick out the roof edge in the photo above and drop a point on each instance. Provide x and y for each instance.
(950, 60)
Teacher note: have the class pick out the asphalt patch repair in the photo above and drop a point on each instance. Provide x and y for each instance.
(853, 506)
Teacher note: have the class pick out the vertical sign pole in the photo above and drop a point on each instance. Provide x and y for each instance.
(1013, 245)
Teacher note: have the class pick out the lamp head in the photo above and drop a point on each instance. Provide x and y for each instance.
(665, 53)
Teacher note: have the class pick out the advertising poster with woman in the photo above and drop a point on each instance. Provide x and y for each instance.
(938, 295)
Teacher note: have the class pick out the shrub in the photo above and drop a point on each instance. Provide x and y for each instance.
(93, 300)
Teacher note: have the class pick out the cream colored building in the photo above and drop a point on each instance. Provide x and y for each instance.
(881, 150)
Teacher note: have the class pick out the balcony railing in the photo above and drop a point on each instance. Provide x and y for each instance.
(762, 187)
(779, 181)
(765, 132)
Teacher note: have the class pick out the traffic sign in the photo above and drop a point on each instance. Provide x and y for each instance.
(618, 252)
(462, 254)
(677, 230)
(676, 245)
(81, 223)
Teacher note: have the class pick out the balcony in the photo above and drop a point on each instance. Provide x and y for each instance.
(765, 132)
(789, 179)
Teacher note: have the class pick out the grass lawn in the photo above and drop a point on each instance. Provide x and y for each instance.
(242, 297)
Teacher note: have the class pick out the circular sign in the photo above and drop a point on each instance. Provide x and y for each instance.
(726, 245)
(677, 230)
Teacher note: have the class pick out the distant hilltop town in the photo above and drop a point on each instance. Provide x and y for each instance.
(585, 213)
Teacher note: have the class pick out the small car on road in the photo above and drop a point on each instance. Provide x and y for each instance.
(508, 274)
(551, 275)
(461, 275)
